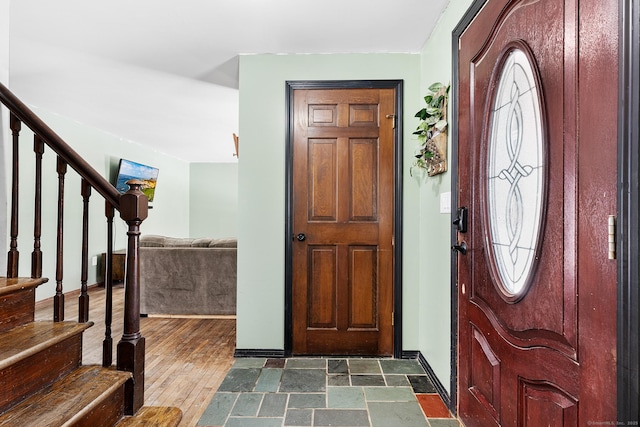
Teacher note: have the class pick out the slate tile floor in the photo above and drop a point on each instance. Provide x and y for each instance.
(340, 392)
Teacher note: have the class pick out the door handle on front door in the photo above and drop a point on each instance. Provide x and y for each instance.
(461, 220)
(460, 247)
(301, 237)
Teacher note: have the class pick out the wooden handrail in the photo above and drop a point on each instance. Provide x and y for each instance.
(133, 208)
(61, 148)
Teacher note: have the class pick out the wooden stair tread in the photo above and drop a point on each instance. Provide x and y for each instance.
(9, 285)
(150, 416)
(23, 341)
(68, 399)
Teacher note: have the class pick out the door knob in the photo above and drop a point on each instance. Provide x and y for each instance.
(301, 237)
(460, 247)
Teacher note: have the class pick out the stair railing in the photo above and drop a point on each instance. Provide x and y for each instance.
(133, 209)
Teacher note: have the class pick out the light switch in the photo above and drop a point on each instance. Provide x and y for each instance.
(445, 202)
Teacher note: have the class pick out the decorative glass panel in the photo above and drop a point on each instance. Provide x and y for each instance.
(515, 186)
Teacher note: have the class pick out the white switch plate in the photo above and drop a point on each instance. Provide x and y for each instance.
(94, 260)
(445, 202)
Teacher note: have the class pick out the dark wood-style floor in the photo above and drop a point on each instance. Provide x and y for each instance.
(186, 359)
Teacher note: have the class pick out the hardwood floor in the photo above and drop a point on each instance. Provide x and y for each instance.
(186, 359)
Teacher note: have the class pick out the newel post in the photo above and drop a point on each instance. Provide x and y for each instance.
(134, 207)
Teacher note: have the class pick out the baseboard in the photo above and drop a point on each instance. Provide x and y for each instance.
(192, 316)
(410, 354)
(446, 398)
(70, 294)
(251, 352)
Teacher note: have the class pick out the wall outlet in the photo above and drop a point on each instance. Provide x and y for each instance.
(445, 202)
(94, 260)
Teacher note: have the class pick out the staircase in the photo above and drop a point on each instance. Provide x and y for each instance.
(42, 379)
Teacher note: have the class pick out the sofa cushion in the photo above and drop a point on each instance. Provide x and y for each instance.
(152, 241)
(201, 243)
(177, 242)
(155, 241)
(223, 243)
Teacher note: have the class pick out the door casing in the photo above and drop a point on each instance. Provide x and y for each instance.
(628, 217)
(628, 233)
(291, 86)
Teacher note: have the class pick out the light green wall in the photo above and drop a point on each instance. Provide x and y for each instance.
(4, 41)
(170, 213)
(4, 124)
(213, 210)
(435, 228)
(261, 183)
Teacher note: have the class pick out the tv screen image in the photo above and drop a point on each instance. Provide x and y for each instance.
(128, 170)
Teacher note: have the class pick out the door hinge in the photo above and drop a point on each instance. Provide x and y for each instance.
(392, 116)
(393, 318)
(612, 236)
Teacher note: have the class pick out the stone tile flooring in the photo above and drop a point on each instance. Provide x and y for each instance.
(345, 392)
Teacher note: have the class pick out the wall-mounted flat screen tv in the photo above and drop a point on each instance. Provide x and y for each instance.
(131, 170)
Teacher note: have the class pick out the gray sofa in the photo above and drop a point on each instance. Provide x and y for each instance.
(185, 276)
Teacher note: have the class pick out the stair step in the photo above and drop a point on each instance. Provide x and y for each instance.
(153, 416)
(34, 355)
(88, 396)
(10, 285)
(17, 301)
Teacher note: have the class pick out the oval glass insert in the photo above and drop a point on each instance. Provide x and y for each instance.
(515, 175)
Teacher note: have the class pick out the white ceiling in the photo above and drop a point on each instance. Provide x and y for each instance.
(164, 73)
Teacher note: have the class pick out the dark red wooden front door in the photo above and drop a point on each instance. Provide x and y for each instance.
(537, 118)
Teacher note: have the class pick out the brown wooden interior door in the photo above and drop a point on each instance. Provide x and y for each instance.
(537, 292)
(343, 198)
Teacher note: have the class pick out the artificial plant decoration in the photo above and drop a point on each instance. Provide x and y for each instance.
(431, 154)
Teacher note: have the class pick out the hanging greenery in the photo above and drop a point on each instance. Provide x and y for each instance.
(431, 154)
